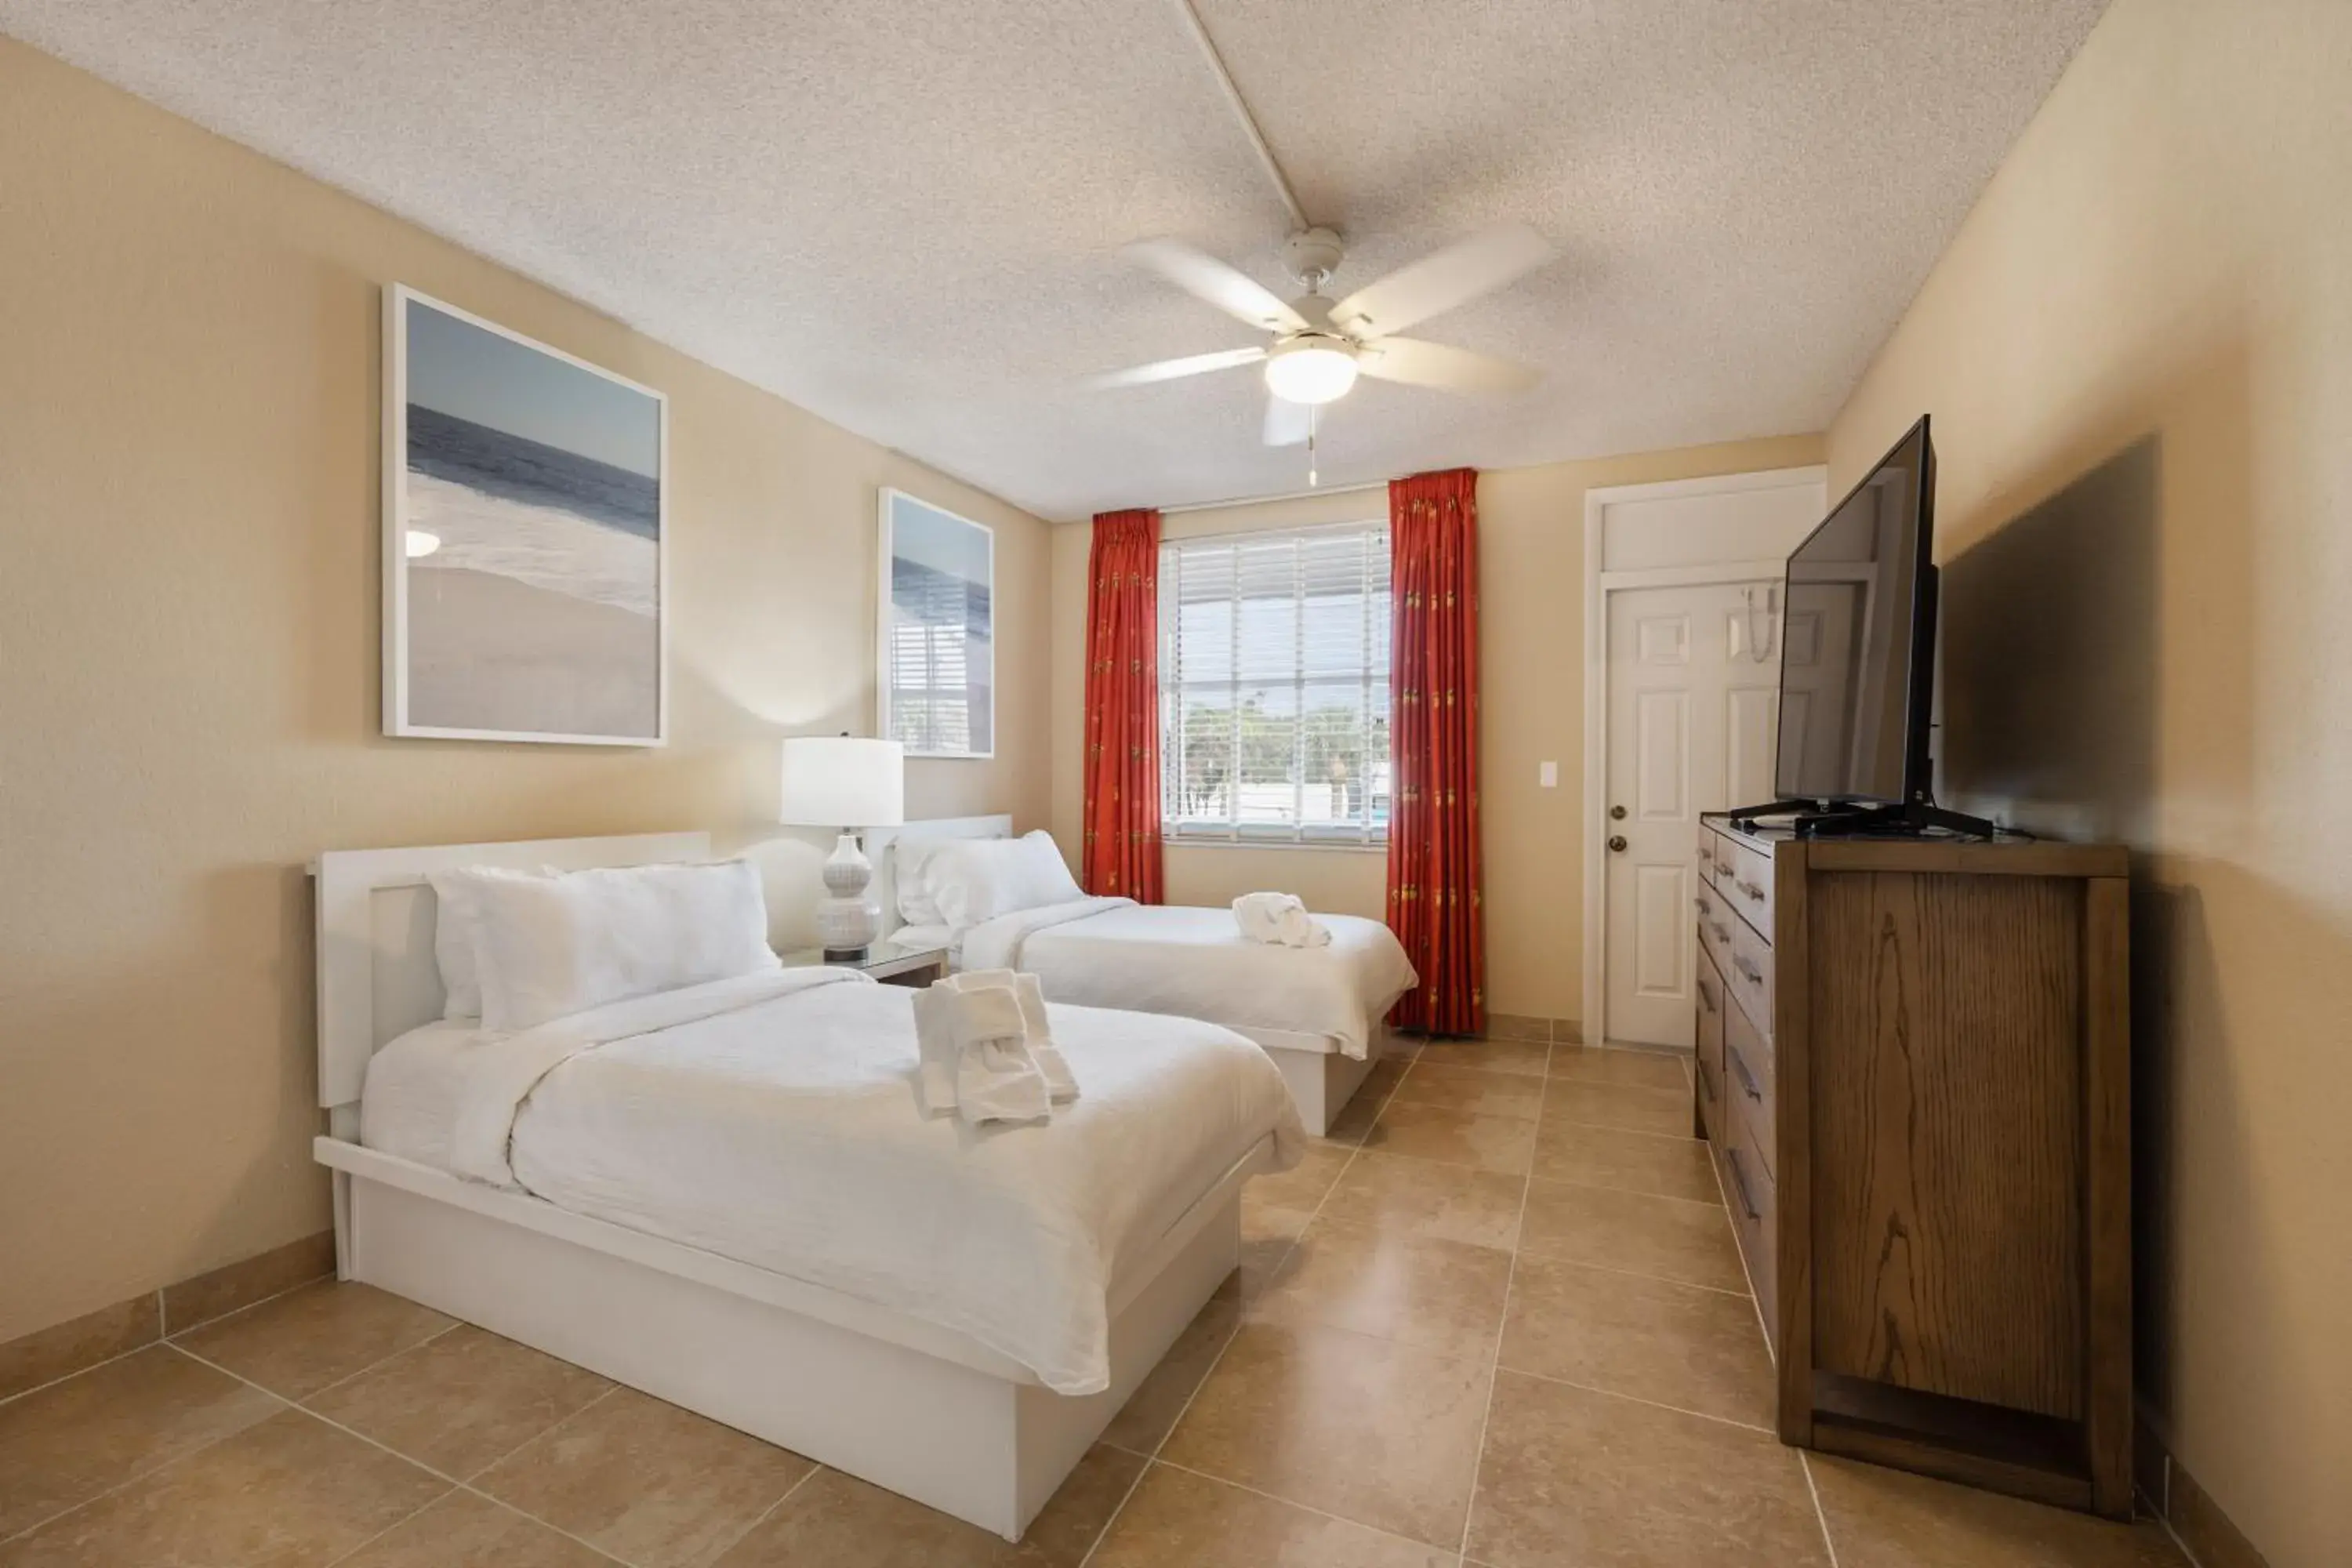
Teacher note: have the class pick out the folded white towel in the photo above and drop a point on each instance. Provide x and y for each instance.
(1279, 918)
(986, 1049)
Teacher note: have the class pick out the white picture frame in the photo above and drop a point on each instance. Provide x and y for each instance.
(532, 636)
(922, 543)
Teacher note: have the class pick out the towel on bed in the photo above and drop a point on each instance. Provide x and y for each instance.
(987, 1049)
(1281, 918)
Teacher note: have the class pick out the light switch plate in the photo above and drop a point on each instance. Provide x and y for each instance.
(1548, 774)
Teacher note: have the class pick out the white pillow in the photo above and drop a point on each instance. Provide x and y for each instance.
(977, 879)
(910, 862)
(456, 922)
(549, 947)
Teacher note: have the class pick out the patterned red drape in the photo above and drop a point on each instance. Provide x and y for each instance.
(1434, 868)
(1122, 761)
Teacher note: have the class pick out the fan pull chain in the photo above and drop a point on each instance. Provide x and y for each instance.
(1311, 480)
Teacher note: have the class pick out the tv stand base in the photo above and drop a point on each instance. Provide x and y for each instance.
(1817, 819)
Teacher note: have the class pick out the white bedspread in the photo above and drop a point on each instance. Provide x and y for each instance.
(1195, 964)
(772, 1118)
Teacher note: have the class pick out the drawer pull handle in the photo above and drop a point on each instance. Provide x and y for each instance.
(1753, 976)
(1739, 1185)
(1706, 995)
(1750, 889)
(1722, 933)
(1747, 1080)
(1704, 907)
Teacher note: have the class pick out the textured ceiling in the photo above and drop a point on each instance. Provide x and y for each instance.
(906, 215)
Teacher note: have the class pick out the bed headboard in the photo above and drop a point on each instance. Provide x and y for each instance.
(377, 977)
(884, 888)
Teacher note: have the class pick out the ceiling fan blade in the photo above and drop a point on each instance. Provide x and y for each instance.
(1170, 368)
(1285, 422)
(1199, 274)
(1418, 364)
(1445, 278)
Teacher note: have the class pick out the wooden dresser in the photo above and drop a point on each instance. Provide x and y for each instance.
(1914, 1070)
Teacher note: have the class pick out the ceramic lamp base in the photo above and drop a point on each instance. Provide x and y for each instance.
(847, 921)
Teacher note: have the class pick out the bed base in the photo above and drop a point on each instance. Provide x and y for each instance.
(912, 1407)
(1321, 1079)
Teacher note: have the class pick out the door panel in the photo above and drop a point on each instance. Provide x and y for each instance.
(1692, 713)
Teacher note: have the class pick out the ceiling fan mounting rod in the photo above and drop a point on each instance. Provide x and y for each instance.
(1242, 111)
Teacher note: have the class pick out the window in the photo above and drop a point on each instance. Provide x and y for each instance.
(1274, 687)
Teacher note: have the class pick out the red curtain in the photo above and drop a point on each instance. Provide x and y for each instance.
(1434, 865)
(1122, 761)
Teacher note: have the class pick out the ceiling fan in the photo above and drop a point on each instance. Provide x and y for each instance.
(1320, 346)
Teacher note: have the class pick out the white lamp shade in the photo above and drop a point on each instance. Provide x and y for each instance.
(843, 780)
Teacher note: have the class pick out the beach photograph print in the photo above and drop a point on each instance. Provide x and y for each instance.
(939, 631)
(523, 561)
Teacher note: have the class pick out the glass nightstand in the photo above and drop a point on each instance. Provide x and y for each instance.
(892, 963)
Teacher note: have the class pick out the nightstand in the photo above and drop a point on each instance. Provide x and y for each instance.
(891, 962)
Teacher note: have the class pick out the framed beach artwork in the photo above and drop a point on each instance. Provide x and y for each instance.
(939, 630)
(526, 580)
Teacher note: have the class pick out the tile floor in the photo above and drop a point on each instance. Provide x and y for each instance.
(1497, 1319)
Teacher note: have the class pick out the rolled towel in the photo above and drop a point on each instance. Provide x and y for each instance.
(997, 1079)
(935, 1039)
(1037, 1028)
(1280, 919)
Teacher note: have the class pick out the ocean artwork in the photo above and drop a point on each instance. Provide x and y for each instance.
(523, 558)
(939, 630)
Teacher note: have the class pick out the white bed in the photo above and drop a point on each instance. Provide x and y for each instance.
(1318, 1012)
(725, 1195)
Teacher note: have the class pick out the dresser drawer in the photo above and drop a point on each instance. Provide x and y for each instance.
(1710, 1032)
(1747, 1078)
(1754, 1214)
(1743, 875)
(1745, 962)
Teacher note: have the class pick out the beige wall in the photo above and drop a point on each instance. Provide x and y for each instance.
(188, 637)
(2139, 355)
(1531, 667)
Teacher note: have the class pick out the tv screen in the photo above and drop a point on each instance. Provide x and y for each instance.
(1857, 668)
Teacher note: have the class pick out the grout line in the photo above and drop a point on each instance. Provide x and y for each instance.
(164, 1464)
(1241, 1319)
(1304, 1508)
(354, 1376)
(1821, 1514)
(1636, 1399)
(814, 1470)
(1503, 1327)
(455, 1484)
(80, 1372)
(240, 1311)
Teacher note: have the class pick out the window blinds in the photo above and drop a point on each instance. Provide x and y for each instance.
(1274, 686)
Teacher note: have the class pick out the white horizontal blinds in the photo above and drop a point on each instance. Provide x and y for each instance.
(930, 678)
(1275, 686)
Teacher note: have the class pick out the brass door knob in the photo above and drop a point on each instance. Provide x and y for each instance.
(1617, 842)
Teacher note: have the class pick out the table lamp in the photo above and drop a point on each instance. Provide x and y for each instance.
(845, 782)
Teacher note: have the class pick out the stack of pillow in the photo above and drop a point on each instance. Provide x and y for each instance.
(517, 948)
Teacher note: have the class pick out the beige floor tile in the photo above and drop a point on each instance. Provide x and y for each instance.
(1442, 1296)
(1611, 1064)
(288, 1490)
(72, 1440)
(1177, 1518)
(1303, 1186)
(1627, 1106)
(1151, 1412)
(839, 1521)
(1572, 1478)
(462, 1531)
(301, 1342)
(1889, 1519)
(1492, 1056)
(460, 1401)
(1370, 1430)
(1676, 1344)
(1667, 1166)
(646, 1481)
(1505, 1143)
(1363, 1107)
(1268, 1234)
(1478, 1089)
(1453, 1202)
(1666, 1238)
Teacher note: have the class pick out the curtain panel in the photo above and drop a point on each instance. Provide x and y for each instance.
(1121, 855)
(1434, 901)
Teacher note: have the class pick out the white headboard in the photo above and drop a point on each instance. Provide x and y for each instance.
(880, 840)
(377, 977)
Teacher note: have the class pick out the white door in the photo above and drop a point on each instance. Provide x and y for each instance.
(1693, 680)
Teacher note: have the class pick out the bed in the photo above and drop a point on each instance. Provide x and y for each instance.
(723, 1194)
(1319, 1013)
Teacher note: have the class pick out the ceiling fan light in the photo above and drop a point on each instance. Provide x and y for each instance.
(1310, 370)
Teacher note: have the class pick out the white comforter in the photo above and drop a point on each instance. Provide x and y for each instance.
(1195, 964)
(772, 1118)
